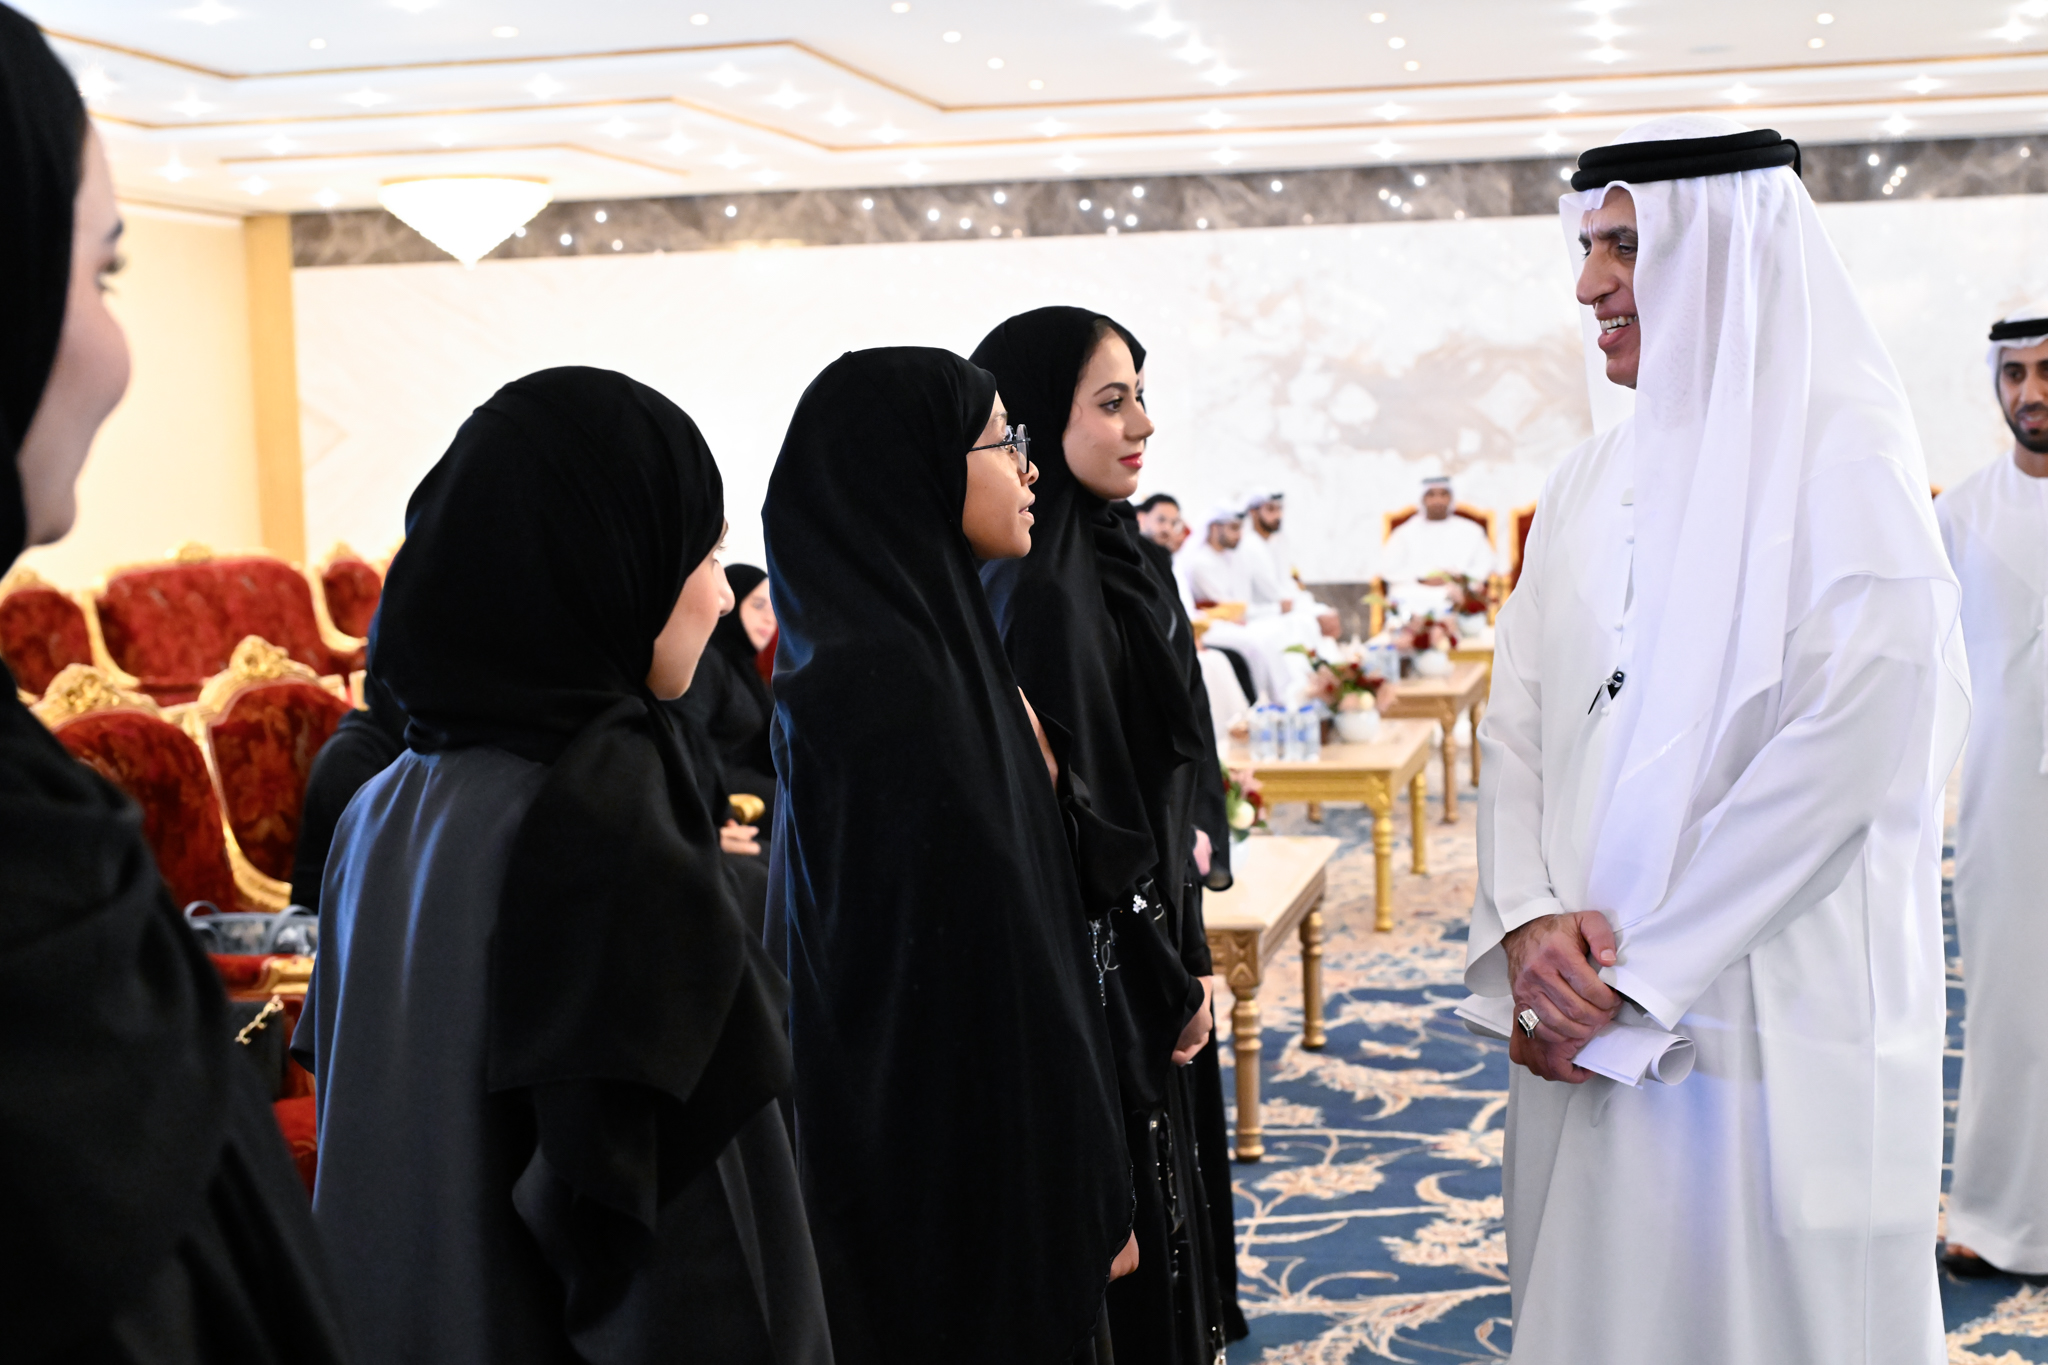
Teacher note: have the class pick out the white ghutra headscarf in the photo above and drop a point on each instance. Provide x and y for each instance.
(1774, 455)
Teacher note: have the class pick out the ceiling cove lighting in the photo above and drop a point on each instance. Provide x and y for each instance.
(465, 215)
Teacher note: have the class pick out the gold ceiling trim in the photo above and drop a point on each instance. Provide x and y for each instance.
(274, 120)
(395, 152)
(1589, 78)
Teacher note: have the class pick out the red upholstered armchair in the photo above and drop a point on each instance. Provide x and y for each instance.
(282, 978)
(263, 720)
(41, 630)
(123, 737)
(349, 588)
(173, 624)
(1497, 585)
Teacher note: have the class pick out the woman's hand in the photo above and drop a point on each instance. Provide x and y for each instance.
(1052, 765)
(1202, 851)
(1195, 1036)
(735, 837)
(1126, 1260)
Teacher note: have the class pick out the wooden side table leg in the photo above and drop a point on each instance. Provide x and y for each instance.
(1383, 863)
(1315, 812)
(1450, 727)
(1244, 1044)
(1418, 802)
(1312, 1036)
(1477, 712)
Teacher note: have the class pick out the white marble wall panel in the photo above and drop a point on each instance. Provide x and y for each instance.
(1338, 363)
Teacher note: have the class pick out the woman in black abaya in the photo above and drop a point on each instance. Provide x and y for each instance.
(729, 695)
(956, 1114)
(549, 1049)
(150, 1209)
(1101, 645)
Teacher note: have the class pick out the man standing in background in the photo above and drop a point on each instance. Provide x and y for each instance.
(1159, 521)
(1995, 524)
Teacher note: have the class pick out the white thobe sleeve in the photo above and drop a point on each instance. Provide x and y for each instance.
(1857, 701)
(1514, 878)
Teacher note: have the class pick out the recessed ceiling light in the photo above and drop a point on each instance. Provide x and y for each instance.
(1226, 156)
(1397, 43)
(1215, 118)
(317, 44)
(1130, 220)
(1163, 25)
(567, 240)
(1873, 160)
(1137, 191)
(1562, 102)
(207, 12)
(732, 158)
(1921, 85)
(1823, 18)
(1420, 180)
(414, 6)
(1067, 164)
(255, 184)
(1390, 110)
(1086, 205)
(700, 19)
(279, 145)
(175, 170)
(966, 224)
(1816, 42)
(617, 127)
(600, 216)
(951, 35)
(1220, 74)
(1037, 85)
(839, 115)
(618, 245)
(94, 83)
(1606, 54)
(914, 168)
(366, 98)
(786, 96)
(1385, 150)
(192, 106)
(543, 87)
(327, 199)
(1050, 127)
(1411, 66)
(504, 31)
(1193, 51)
(868, 205)
(1000, 197)
(888, 132)
(1202, 223)
(900, 7)
(1739, 93)
(1377, 18)
(995, 63)
(732, 210)
(1277, 186)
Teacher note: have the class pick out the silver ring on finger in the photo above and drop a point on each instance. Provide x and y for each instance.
(1528, 1020)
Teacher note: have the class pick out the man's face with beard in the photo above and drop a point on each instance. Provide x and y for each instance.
(2023, 394)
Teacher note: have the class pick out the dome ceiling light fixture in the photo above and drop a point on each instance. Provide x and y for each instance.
(465, 215)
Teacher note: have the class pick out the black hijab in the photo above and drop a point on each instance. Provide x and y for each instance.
(957, 1120)
(729, 636)
(1095, 642)
(119, 1083)
(542, 556)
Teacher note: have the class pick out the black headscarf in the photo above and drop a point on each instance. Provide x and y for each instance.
(131, 1135)
(957, 1120)
(542, 556)
(365, 743)
(729, 636)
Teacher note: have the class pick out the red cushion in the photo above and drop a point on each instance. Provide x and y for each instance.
(764, 657)
(174, 625)
(352, 588)
(161, 769)
(298, 1122)
(263, 748)
(41, 630)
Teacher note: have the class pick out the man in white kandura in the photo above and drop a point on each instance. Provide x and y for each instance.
(1429, 545)
(1726, 695)
(1996, 526)
(1269, 563)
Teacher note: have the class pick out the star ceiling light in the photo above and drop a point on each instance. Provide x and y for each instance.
(1739, 93)
(1390, 110)
(192, 106)
(327, 199)
(1562, 103)
(414, 6)
(616, 127)
(1050, 127)
(1215, 118)
(1163, 26)
(255, 184)
(543, 87)
(732, 158)
(727, 75)
(208, 12)
(1220, 74)
(279, 145)
(765, 176)
(787, 96)
(1068, 164)
(175, 170)
(95, 84)
(839, 115)
(676, 144)
(2013, 30)
(1193, 52)
(1898, 125)
(1550, 142)
(888, 132)
(366, 98)
(1607, 53)
(1226, 156)
(465, 215)
(1385, 150)
(915, 169)
(1922, 85)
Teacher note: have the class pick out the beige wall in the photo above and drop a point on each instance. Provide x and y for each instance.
(177, 460)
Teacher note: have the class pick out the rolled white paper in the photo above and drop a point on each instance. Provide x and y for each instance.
(1624, 1051)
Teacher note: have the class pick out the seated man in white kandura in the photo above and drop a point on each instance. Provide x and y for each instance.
(1429, 545)
(1996, 525)
(1726, 695)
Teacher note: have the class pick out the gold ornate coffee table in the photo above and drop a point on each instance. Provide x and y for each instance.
(1278, 891)
(1373, 773)
(1443, 700)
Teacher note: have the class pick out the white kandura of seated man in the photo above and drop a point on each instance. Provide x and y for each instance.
(1212, 570)
(1269, 566)
(1424, 548)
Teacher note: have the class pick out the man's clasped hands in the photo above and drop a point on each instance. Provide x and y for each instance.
(1551, 971)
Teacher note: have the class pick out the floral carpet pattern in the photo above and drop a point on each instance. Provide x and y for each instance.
(1372, 1229)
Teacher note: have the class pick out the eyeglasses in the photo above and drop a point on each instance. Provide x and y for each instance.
(1017, 443)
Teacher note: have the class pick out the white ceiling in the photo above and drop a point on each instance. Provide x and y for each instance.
(285, 105)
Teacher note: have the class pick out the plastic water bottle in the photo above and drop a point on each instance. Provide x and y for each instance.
(1265, 742)
(1309, 723)
(1290, 728)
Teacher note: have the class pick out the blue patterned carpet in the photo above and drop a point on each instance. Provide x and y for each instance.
(1372, 1228)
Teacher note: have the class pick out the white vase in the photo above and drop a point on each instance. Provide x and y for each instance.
(1471, 626)
(1433, 663)
(1358, 727)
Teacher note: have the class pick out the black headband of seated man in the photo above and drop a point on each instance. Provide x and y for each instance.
(1682, 158)
(2019, 329)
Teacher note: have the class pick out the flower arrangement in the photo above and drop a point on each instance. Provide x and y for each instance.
(1420, 634)
(1466, 600)
(1244, 806)
(1341, 683)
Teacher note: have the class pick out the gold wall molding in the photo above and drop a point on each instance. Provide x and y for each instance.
(274, 376)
